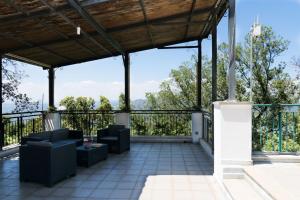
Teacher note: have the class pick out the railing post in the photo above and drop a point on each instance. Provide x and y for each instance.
(43, 121)
(21, 131)
(18, 126)
(52, 121)
(197, 125)
(232, 136)
(279, 131)
(123, 119)
(33, 125)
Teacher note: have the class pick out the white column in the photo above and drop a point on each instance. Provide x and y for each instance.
(232, 135)
(123, 119)
(52, 121)
(197, 127)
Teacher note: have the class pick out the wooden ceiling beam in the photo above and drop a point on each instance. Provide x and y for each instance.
(142, 4)
(131, 51)
(162, 21)
(214, 13)
(24, 42)
(52, 28)
(26, 60)
(96, 25)
(31, 45)
(45, 12)
(189, 19)
(71, 23)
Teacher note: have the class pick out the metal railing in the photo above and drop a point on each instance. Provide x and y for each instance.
(87, 121)
(207, 128)
(142, 123)
(161, 123)
(276, 127)
(18, 125)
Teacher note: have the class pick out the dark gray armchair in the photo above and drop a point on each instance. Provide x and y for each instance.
(117, 137)
(47, 163)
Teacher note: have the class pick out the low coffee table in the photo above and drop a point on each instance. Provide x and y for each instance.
(89, 156)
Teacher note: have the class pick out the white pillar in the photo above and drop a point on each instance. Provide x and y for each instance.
(123, 119)
(232, 136)
(197, 127)
(52, 121)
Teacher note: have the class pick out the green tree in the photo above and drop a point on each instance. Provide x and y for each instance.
(77, 116)
(105, 117)
(271, 83)
(105, 104)
(78, 104)
(12, 77)
(122, 105)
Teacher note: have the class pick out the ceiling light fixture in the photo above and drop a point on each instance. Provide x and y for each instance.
(78, 30)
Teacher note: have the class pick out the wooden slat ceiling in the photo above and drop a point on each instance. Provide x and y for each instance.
(43, 32)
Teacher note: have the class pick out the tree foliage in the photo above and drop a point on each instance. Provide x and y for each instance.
(271, 83)
(122, 105)
(78, 104)
(12, 77)
(105, 105)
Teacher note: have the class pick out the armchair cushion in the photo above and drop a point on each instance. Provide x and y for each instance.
(114, 128)
(59, 134)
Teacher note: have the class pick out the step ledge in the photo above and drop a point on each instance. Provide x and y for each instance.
(258, 187)
(276, 158)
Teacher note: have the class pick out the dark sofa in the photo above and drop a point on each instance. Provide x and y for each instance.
(46, 162)
(55, 135)
(117, 137)
(50, 156)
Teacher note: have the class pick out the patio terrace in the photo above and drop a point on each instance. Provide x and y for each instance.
(149, 171)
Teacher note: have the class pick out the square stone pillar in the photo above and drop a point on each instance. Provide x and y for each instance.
(197, 127)
(123, 119)
(52, 121)
(232, 136)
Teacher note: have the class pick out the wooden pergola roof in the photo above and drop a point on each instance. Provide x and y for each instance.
(43, 32)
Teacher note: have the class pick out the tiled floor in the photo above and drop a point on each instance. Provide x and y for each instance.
(148, 171)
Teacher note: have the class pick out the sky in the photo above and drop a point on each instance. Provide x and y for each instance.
(149, 68)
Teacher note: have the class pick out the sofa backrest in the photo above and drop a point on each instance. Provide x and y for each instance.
(115, 127)
(45, 134)
(59, 134)
(39, 143)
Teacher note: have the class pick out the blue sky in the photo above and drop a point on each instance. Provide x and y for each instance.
(149, 68)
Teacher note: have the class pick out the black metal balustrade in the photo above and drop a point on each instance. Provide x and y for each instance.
(161, 123)
(87, 121)
(17, 125)
(142, 123)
